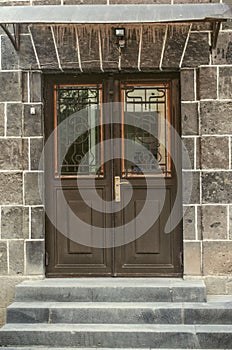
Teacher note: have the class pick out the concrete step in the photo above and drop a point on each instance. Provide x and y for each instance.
(213, 312)
(112, 290)
(118, 336)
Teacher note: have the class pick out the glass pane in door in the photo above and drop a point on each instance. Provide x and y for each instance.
(146, 114)
(78, 117)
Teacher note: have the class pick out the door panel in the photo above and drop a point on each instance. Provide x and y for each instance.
(148, 110)
(71, 156)
(146, 101)
(149, 243)
(70, 254)
(151, 253)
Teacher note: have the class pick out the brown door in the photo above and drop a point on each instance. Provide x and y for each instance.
(110, 179)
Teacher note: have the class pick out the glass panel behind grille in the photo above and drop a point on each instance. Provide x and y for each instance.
(145, 122)
(78, 117)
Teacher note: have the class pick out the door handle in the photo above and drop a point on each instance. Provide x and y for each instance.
(117, 188)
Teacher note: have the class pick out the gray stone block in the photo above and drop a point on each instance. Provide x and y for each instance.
(25, 88)
(14, 222)
(14, 119)
(86, 2)
(230, 222)
(36, 148)
(35, 257)
(45, 48)
(197, 52)
(105, 290)
(207, 83)
(214, 337)
(175, 42)
(10, 86)
(214, 222)
(7, 290)
(225, 81)
(217, 257)
(189, 223)
(191, 181)
(37, 223)
(103, 313)
(215, 285)
(10, 57)
(210, 111)
(2, 316)
(222, 55)
(140, 1)
(35, 87)
(16, 257)
(27, 314)
(116, 336)
(194, 1)
(207, 315)
(215, 152)
(216, 187)
(46, 2)
(67, 48)
(11, 188)
(27, 59)
(192, 258)
(137, 1)
(190, 118)
(31, 185)
(15, 3)
(189, 146)
(14, 154)
(187, 85)
(150, 57)
(3, 258)
(213, 312)
(2, 118)
(33, 122)
(187, 294)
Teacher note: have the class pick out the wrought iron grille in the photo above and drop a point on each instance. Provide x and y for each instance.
(145, 121)
(78, 109)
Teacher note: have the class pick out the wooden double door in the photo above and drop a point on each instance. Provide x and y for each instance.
(110, 180)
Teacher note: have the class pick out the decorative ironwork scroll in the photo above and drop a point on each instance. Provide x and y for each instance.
(148, 106)
(72, 109)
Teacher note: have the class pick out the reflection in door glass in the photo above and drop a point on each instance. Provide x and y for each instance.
(78, 109)
(146, 108)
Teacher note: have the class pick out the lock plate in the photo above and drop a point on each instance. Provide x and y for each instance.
(117, 190)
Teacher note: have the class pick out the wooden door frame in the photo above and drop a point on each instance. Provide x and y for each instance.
(50, 79)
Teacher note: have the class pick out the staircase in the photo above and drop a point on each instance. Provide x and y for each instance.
(117, 313)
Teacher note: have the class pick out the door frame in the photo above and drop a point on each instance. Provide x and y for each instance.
(50, 79)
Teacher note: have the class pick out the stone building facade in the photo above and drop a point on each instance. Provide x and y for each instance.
(206, 117)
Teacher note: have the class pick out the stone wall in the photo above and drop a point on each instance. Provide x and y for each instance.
(206, 127)
(21, 140)
(207, 130)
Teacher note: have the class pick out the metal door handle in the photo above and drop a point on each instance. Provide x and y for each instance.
(117, 188)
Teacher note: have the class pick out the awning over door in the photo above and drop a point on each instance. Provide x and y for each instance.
(162, 36)
(114, 13)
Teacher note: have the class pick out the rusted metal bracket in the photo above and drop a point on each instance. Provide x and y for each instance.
(215, 32)
(14, 35)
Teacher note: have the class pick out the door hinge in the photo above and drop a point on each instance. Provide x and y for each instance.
(46, 259)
